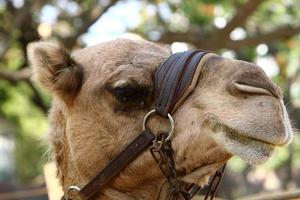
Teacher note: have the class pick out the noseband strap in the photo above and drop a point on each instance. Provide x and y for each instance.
(174, 80)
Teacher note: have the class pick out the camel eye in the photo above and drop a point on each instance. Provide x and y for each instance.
(130, 93)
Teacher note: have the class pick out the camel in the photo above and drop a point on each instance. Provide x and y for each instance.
(101, 94)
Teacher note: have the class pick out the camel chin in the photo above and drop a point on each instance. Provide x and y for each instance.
(254, 152)
(251, 150)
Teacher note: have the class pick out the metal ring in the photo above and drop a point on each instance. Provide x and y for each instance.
(72, 187)
(171, 132)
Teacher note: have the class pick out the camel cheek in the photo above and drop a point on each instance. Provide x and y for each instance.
(85, 154)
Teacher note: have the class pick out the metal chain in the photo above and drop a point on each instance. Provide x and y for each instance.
(215, 182)
(163, 154)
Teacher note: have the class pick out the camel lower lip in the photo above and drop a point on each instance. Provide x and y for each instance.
(251, 150)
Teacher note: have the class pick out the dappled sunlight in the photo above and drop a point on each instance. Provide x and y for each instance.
(262, 32)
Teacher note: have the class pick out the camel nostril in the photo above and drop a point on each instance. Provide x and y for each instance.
(253, 80)
(245, 88)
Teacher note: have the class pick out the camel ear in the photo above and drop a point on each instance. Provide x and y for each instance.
(54, 68)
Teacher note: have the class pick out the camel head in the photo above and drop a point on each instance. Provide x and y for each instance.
(101, 94)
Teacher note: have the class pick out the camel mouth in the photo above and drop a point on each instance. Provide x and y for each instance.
(252, 150)
(233, 134)
(242, 138)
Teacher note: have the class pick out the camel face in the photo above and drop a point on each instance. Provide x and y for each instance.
(102, 93)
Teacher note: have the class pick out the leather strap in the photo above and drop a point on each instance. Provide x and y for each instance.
(173, 78)
(130, 153)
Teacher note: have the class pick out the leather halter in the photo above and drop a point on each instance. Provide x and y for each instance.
(174, 80)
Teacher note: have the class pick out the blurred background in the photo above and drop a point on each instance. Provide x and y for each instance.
(263, 32)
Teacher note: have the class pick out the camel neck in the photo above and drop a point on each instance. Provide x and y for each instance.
(159, 190)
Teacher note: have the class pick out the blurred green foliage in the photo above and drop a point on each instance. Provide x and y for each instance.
(30, 123)
(24, 104)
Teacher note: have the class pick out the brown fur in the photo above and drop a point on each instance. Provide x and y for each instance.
(234, 109)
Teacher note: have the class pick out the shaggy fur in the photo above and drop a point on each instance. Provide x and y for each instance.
(101, 94)
(55, 69)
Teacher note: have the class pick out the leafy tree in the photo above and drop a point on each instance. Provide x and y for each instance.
(244, 29)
